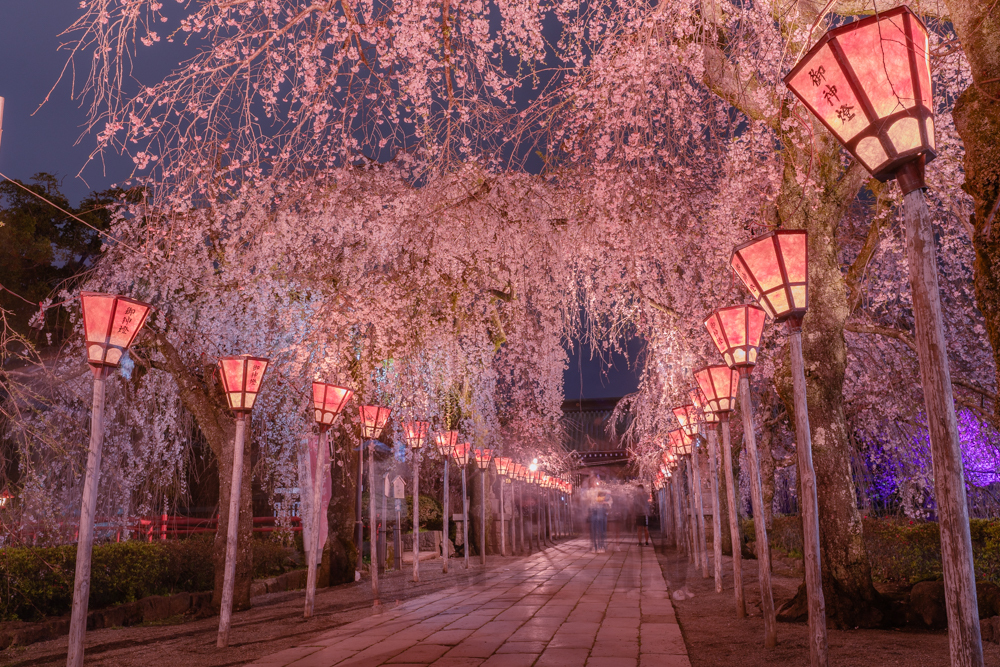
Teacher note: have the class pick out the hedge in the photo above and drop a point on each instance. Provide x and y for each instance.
(899, 550)
(38, 581)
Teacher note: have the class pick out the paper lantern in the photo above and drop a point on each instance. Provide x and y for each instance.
(328, 402)
(775, 268)
(483, 457)
(446, 442)
(416, 433)
(736, 331)
(701, 403)
(869, 83)
(688, 417)
(680, 442)
(110, 325)
(505, 466)
(373, 420)
(241, 380)
(720, 385)
(460, 451)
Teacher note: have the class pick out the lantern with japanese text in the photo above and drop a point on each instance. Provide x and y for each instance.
(775, 268)
(720, 385)
(242, 377)
(110, 325)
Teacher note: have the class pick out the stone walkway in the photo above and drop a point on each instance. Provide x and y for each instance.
(563, 607)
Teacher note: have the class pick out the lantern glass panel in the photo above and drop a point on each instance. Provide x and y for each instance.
(328, 401)
(416, 433)
(373, 420)
(460, 452)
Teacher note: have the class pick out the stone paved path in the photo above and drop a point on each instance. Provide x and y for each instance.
(565, 607)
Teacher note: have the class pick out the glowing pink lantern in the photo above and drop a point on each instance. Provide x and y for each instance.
(461, 451)
(688, 417)
(736, 331)
(445, 442)
(680, 442)
(242, 377)
(110, 325)
(328, 402)
(416, 433)
(720, 385)
(373, 420)
(775, 268)
(869, 83)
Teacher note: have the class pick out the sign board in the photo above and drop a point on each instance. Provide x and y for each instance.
(398, 487)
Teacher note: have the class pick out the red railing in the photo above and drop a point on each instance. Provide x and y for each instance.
(168, 526)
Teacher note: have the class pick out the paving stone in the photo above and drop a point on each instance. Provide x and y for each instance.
(564, 607)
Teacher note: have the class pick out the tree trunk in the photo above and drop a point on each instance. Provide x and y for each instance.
(343, 552)
(851, 598)
(977, 119)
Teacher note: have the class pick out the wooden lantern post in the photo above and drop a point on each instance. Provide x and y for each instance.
(736, 331)
(461, 452)
(241, 379)
(869, 83)
(483, 458)
(711, 419)
(774, 267)
(111, 324)
(689, 417)
(416, 436)
(445, 443)
(373, 420)
(328, 402)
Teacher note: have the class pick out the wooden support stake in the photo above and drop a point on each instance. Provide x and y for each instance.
(88, 508)
(699, 510)
(675, 486)
(713, 467)
(760, 528)
(465, 520)
(447, 509)
(964, 638)
(818, 646)
(229, 577)
(734, 517)
(373, 528)
(416, 515)
(692, 533)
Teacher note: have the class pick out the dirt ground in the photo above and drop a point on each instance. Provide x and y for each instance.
(273, 624)
(714, 636)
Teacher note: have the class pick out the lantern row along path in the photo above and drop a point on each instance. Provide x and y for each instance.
(566, 606)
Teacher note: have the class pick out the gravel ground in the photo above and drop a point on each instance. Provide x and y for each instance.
(714, 636)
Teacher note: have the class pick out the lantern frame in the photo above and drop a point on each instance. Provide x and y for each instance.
(325, 410)
(749, 322)
(461, 451)
(688, 417)
(700, 402)
(373, 420)
(247, 392)
(445, 442)
(680, 442)
(709, 378)
(898, 25)
(107, 327)
(778, 280)
(483, 457)
(504, 465)
(415, 433)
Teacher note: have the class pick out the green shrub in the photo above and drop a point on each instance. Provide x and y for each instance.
(431, 513)
(271, 558)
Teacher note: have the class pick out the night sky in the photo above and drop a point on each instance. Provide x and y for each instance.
(50, 140)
